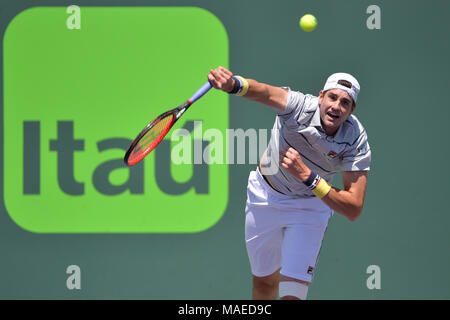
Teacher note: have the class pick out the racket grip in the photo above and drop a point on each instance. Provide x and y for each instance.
(200, 92)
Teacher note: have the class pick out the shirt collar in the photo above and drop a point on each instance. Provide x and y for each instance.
(315, 121)
(343, 131)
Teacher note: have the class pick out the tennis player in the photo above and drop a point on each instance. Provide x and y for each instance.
(289, 196)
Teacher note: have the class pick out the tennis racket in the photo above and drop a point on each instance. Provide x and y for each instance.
(154, 132)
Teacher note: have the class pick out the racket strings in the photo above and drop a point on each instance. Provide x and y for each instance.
(155, 131)
(151, 138)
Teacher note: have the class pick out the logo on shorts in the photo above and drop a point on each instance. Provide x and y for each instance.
(310, 270)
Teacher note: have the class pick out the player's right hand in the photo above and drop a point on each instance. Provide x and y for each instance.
(221, 79)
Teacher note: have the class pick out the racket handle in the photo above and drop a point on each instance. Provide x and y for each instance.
(200, 92)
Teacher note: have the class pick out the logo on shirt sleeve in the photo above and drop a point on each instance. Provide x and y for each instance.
(363, 148)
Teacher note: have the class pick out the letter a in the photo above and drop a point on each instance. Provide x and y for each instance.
(373, 21)
(374, 281)
(73, 21)
(74, 281)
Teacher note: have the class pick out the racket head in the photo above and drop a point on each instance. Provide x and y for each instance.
(150, 137)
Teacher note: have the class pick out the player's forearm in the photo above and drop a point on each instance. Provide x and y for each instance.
(271, 96)
(344, 202)
(268, 95)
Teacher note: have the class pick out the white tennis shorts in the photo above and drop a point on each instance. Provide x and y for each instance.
(283, 231)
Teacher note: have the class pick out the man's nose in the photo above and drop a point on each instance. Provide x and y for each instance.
(335, 105)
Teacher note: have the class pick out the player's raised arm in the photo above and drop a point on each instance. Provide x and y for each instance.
(268, 95)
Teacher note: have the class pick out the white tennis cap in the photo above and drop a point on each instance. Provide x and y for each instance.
(343, 81)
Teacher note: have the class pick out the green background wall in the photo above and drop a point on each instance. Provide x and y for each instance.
(403, 71)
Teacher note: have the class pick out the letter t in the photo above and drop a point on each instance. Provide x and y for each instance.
(65, 147)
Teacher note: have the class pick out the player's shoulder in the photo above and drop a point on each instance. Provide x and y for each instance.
(310, 109)
(311, 102)
(354, 122)
(298, 97)
(310, 105)
(299, 106)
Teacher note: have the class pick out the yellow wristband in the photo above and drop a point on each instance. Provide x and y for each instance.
(244, 88)
(322, 189)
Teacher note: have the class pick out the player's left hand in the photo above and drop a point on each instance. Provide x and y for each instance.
(293, 163)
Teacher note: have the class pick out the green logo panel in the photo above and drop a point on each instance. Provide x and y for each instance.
(75, 98)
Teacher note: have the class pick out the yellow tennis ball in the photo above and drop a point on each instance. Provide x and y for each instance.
(308, 22)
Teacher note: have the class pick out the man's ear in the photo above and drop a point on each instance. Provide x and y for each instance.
(353, 107)
(320, 96)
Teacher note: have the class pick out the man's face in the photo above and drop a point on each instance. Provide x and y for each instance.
(335, 107)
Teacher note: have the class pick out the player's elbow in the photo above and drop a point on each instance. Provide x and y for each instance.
(354, 214)
(353, 217)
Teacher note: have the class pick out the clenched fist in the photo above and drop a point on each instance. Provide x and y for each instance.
(293, 163)
(221, 79)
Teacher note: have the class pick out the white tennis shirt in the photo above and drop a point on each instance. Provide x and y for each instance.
(299, 126)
